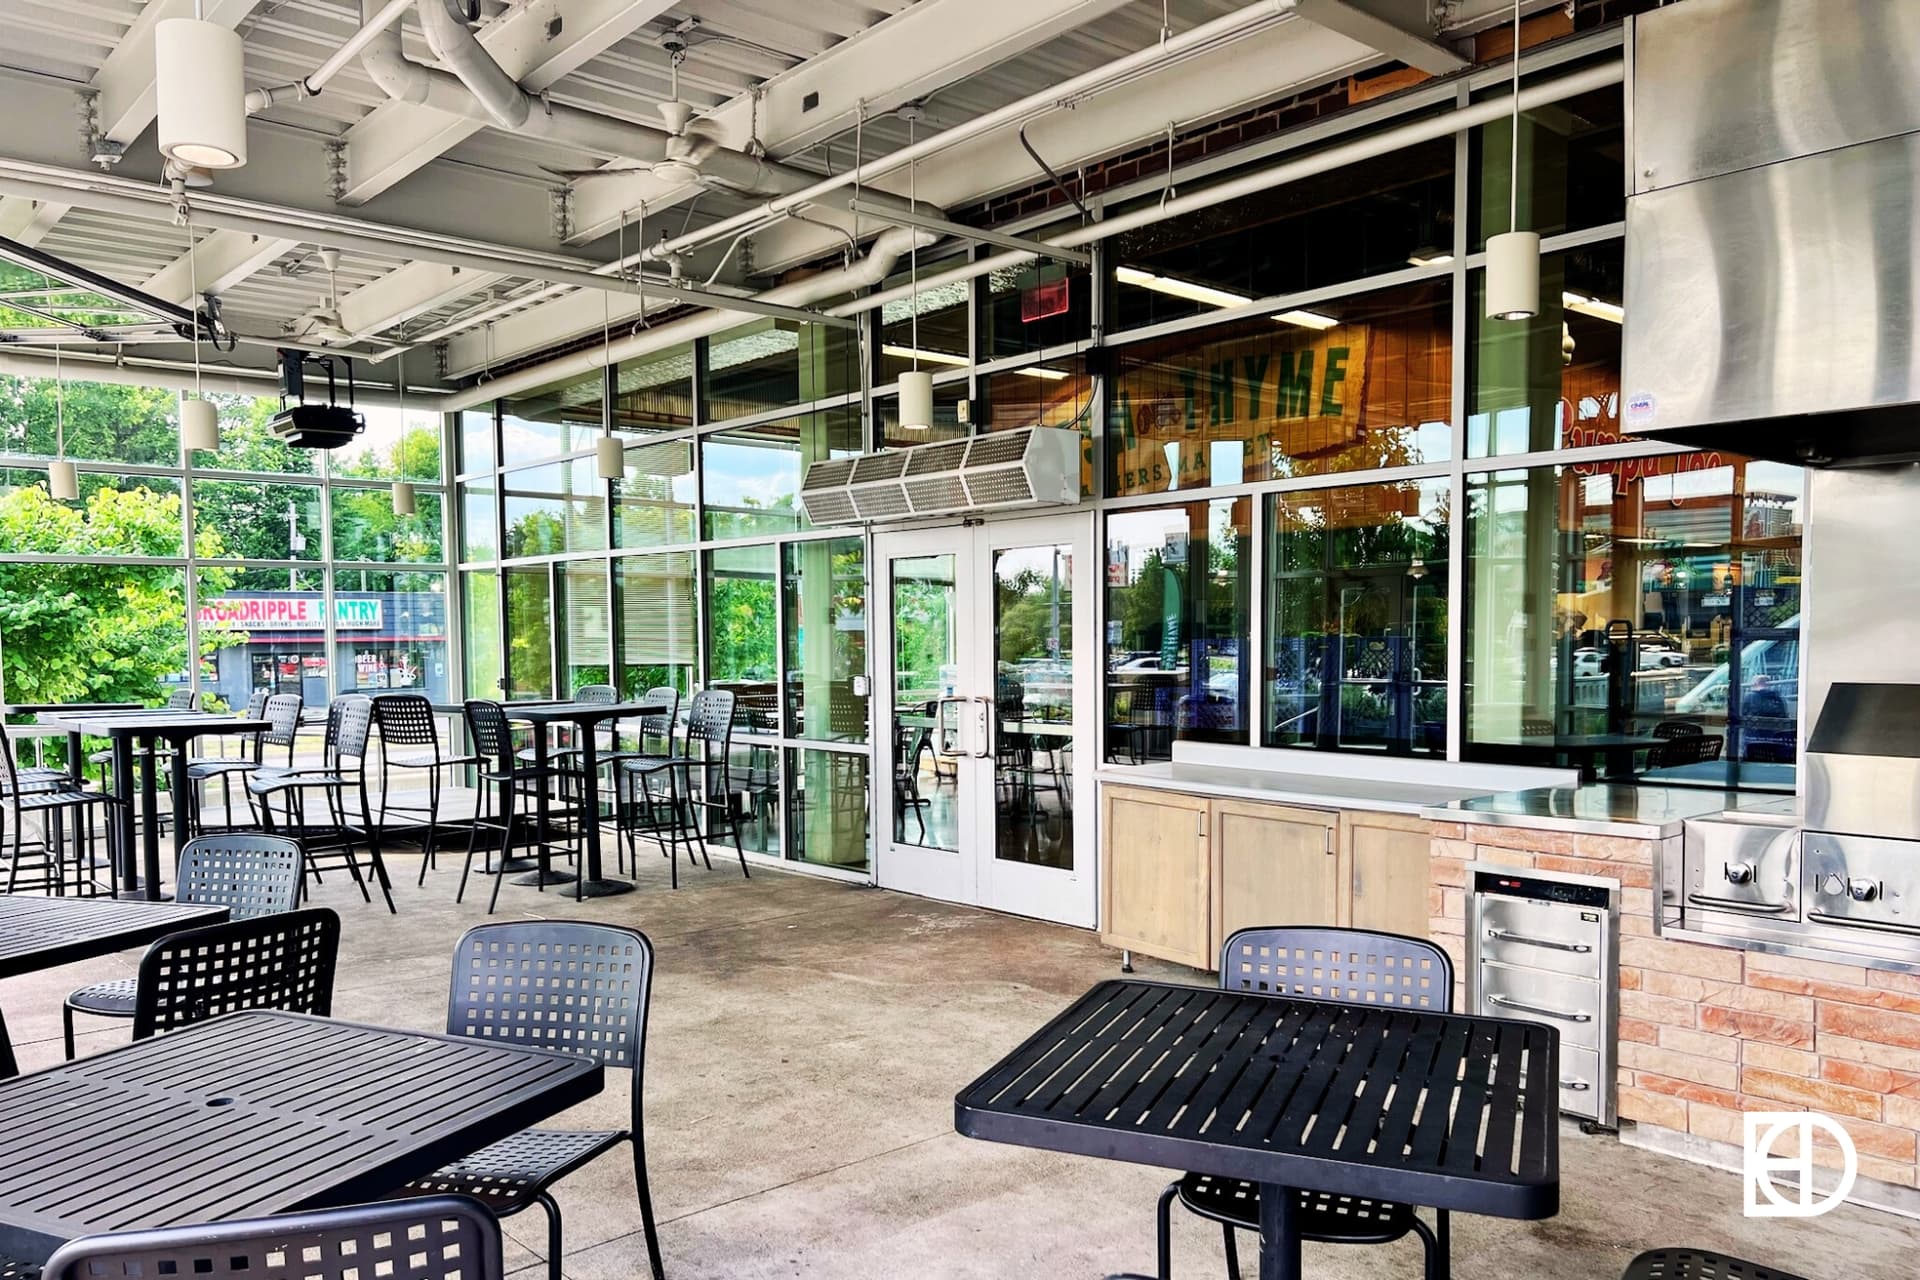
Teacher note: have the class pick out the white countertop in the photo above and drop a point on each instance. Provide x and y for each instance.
(1287, 788)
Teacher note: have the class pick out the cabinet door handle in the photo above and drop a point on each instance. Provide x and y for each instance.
(1508, 1002)
(1501, 935)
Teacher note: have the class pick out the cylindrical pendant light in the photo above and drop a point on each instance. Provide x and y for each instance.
(200, 92)
(199, 426)
(610, 458)
(63, 483)
(916, 400)
(403, 500)
(1513, 275)
(1513, 257)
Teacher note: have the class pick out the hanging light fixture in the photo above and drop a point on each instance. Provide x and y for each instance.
(200, 92)
(1513, 257)
(403, 499)
(916, 387)
(63, 483)
(199, 420)
(609, 451)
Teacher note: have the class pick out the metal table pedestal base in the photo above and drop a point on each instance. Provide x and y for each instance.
(602, 888)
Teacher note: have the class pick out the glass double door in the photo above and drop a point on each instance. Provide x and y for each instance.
(984, 790)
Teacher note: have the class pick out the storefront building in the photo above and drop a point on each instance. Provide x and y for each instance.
(1328, 506)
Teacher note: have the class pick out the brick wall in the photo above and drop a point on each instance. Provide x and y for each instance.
(1707, 1033)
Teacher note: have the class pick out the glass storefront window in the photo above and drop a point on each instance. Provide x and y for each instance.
(248, 444)
(1552, 382)
(1611, 605)
(115, 515)
(1178, 612)
(653, 501)
(529, 634)
(586, 655)
(562, 418)
(659, 622)
(775, 364)
(1572, 165)
(474, 439)
(1034, 306)
(654, 392)
(825, 598)
(1353, 384)
(1360, 220)
(260, 521)
(827, 809)
(365, 528)
(752, 475)
(942, 325)
(391, 632)
(104, 421)
(1058, 393)
(555, 508)
(392, 447)
(946, 423)
(742, 626)
(89, 632)
(1356, 611)
(479, 522)
(480, 632)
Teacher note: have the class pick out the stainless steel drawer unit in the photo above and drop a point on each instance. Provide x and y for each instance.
(1540, 946)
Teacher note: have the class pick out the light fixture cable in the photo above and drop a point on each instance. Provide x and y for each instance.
(913, 251)
(1513, 165)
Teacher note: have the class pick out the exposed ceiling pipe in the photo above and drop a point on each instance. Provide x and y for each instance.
(460, 53)
(1155, 57)
(888, 248)
(316, 80)
(1322, 161)
(110, 195)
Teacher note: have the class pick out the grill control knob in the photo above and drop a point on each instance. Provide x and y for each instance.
(1739, 872)
(1863, 890)
(1832, 885)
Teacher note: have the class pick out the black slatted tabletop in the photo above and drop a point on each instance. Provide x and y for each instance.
(41, 933)
(256, 1113)
(1399, 1104)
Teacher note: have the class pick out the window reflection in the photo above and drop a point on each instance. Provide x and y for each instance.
(1178, 602)
(825, 598)
(1552, 382)
(742, 630)
(1615, 605)
(752, 474)
(556, 419)
(659, 622)
(555, 508)
(1357, 618)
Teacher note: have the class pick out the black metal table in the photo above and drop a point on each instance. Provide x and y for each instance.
(44, 933)
(253, 1114)
(588, 716)
(124, 729)
(1398, 1104)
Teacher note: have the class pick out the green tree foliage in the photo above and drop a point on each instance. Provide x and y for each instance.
(103, 421)
(740, 623)
(92, 631)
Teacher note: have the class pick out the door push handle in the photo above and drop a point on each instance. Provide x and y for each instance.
(1575, 1086)
(1502, 935)
(1738, 872)
(1508, 1002)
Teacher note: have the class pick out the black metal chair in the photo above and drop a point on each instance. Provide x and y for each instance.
(502, 772)
(428, 1238)
(1356, 966)
(655, 723)
(343, 770)
(250, 875)
(54, 800)
(406, 720)
(1692, 748)
(573, 987)
(711, 794)
(1698, 1264)
(282, 714)
(283, 961)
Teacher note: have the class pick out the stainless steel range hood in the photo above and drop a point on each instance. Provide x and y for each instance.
(1773, 230)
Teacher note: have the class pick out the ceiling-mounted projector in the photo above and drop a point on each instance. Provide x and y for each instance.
(314, 426)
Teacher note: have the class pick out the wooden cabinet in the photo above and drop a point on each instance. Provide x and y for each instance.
(1272, 865)
(1156, 875)
(1181, 873)
(1385, 857)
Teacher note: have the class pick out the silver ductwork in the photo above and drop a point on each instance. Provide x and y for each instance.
(1773, 264)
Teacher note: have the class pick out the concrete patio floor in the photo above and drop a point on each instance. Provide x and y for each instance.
(805, 1044)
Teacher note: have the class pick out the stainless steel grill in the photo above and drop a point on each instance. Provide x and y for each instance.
(1540, 946)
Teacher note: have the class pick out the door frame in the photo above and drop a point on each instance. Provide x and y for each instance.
(974, 874)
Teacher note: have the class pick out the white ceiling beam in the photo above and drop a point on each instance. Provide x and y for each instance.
(125, 81)
(402, 294)
(537, 42)
(220, 260)
(1401, 29)
(902, 59)
(1267, 65)
(28, 221)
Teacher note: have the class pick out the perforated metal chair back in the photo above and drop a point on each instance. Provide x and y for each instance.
(250, 875)
(256, 704)
(1354, 966)
(598, 694)
(282, 714)
(271, 962)
(349, 725)
(556, 984)
(659, 708)
(406, 720)
(711, 718)
(1677, 729)
(182, 700)
(1698, 1264)
(492, 735)
(430, 1238)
